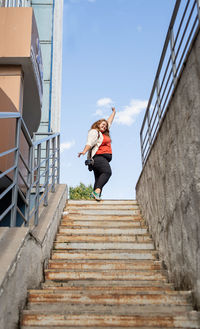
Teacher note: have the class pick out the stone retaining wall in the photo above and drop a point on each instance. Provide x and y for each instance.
(168, 189)
(24, 253)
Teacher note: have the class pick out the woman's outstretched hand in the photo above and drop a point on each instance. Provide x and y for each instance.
(111, 117)
(86, 149)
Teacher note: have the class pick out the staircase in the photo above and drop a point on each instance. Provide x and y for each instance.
(104, 272)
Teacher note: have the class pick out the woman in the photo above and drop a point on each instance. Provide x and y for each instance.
(99, 148)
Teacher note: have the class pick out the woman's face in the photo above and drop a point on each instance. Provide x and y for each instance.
(103, 126)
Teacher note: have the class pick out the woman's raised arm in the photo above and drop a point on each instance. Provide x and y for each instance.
(111, 117)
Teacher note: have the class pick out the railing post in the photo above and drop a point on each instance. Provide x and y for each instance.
(141, 146)
(149, 127)
(158, 100)
(29, 180)
(46, 174)
(58, 159)
(53, 165)
(198, 8)
(15, 176)
(37, 196)
(173, 57)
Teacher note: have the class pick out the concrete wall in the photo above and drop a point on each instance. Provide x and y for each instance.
(24, 256)
(168, 189)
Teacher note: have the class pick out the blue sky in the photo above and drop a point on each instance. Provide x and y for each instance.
(111, 50)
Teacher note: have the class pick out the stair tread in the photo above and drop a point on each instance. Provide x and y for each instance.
(167, 320)
(108, 283)
(108, 309)
(102, 264)
(67, 217)
(111, 290)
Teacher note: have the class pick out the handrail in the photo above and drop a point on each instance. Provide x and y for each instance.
(183, 27)
(27, 178)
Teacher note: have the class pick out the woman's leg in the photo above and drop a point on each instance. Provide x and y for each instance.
(102, 172)
(96, 177)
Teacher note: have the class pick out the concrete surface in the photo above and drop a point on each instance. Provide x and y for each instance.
(24, 255)
(168, 189)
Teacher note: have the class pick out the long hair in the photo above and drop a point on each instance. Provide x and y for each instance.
(97, 124)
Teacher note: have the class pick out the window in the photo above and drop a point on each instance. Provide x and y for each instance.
(15, 3)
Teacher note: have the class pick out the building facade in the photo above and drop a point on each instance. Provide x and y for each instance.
(30, 103)
(49, 17)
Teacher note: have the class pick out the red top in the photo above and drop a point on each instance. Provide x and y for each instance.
(105, 147)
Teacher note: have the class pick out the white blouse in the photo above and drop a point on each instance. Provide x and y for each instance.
(94, 140)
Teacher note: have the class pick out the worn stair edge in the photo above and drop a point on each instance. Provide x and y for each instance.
(60, 264)
(119, 275)
(185, 321)
(104, 245)
(107, 283)
(83, 327)
(102, 238)
(97, 254)
(119, 298)
(112, 290)
(105, 231)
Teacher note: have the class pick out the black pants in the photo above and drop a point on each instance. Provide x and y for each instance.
(102, 170)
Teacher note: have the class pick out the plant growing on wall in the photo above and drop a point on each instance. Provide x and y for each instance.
(81, 192)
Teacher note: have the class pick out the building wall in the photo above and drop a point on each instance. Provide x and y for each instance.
(49, 20)
(57, 67)
(49, 17)
(168, 189)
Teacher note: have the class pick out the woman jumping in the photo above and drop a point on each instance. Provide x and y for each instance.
(99, 149)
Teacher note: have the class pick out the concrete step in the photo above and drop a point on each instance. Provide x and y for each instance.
(189, 320)
(104, 265)
(103, 211)
(103, 224)
(108, 309)
(107, 298)
(104, 245)
(67, 217)
(99, 254)
(164, 289)
(64, 275)
(102, 238)
(83, 327)
(108, 284)
(102, 231)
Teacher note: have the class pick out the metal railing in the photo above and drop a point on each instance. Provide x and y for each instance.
(34, 171)
(184, 25)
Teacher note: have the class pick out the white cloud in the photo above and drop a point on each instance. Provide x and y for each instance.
(66, 146)
(106, 102)
(128, 115)
(99, 112)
